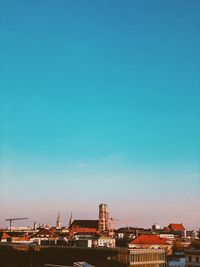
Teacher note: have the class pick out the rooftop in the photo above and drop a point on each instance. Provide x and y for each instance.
(149, 239)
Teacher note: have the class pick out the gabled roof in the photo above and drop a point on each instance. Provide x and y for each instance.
(85, 223)
(44, 232)
(176, 227)
(3, 235)
(150, 240)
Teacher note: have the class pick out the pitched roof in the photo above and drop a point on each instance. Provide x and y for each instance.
(150, 240)
(3, 235)
(85, 223)
(44, 232)
(176, 226)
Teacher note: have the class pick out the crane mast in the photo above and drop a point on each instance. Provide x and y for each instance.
(11, 220)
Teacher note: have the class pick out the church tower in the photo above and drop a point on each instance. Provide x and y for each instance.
(103, 218)
(70, 220)
(35, 226)
(58, 222)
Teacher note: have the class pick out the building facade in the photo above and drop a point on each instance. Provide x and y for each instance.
(192, 257)
(148, 241)
(143, 257)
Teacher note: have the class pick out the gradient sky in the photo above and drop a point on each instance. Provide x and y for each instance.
(100, 102)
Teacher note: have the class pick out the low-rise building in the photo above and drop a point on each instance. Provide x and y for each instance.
(143, 257)
(177, 229)
(105, 241)
(44, 236)
(192, 257)
(20, 239)
(4, 237)
(84, 239)
(83, 226)
(151, 242)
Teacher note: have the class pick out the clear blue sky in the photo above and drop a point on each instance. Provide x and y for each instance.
(100, 102)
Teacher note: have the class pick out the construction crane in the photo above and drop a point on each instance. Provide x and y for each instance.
(11, 220)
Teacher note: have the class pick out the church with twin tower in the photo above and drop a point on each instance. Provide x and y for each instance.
(100, 226)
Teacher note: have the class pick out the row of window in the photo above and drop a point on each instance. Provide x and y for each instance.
(193, 259)
(145, 257)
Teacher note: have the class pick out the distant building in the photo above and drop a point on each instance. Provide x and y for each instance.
(105, 241)
(125, 234)
(44, 236)
(103, 218)
(142, 257)
(20, 239)
(4, 237)
(58, 222)
(130, 232)
(83, 226)
(168, 236)
(176, 228)
(156, 227)
(70, 220)
(92, 240)
(192, 257)
(151, 242)
(35, 226)
(96, 226)
(15, 237)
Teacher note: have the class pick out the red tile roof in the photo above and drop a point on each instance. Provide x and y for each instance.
(3, 235)
(85, 223)
(167, 229)
(150, 240)
(176, 227)
(44, 233)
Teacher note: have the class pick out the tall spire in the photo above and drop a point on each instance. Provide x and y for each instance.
(58, 222)
(35, 226)
(70, 220)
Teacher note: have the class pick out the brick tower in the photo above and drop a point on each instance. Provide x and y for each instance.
(103, 218)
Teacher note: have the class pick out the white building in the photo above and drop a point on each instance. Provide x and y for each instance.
(104, 241)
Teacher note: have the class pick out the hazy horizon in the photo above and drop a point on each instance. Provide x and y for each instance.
(100, 104)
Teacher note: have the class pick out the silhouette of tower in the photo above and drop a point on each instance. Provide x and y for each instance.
(58, 222)
(103, 218)
(35, 226)
(70, 220)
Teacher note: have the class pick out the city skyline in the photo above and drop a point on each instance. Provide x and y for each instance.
(65, 221)
(100, 103)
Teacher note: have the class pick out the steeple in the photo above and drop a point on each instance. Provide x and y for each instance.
(58, 222)
(70, 220)
(35, 226)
